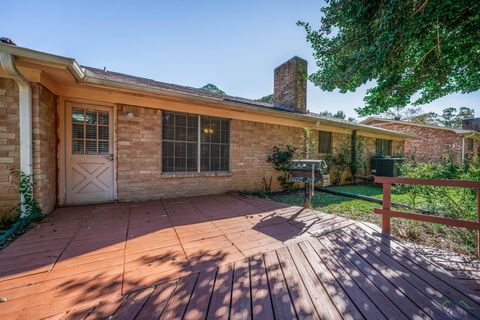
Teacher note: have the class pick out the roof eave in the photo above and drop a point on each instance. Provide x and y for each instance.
(69, 63)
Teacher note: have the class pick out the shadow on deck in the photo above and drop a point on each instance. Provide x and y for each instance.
(218, 257)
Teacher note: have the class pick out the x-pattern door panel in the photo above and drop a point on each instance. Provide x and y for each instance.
(89, 154)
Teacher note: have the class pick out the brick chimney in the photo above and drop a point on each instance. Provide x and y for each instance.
(471, 124)
(290, 85)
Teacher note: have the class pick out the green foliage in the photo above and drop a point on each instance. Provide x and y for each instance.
(267, 99)
(423, 233)
(358, 162)
(267, 185)
(420, 50)
(309, 143)
(28, 206)
(213, 88)
(452, 118)
(349, 155)
(28, 209)
(339, 161)
(282, 161)
(456, 203)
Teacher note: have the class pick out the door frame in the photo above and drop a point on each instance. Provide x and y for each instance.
(62, 105)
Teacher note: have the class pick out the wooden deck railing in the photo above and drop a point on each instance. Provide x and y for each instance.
(387, 213)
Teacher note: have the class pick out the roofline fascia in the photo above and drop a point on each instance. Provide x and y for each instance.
(408, 123)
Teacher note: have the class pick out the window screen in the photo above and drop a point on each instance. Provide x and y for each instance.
(90, 132)
(215, 144)
(384, 147)
(184, 134)
(180, 142)
(324, 142)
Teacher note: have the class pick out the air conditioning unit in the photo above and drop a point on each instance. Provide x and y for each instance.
(386, 167)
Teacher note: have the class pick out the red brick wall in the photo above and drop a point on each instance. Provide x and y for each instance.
(44, 146)
(431, 144)
(9, 144)
(139, 159)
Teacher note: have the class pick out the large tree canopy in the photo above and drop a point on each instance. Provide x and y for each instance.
(426, 48)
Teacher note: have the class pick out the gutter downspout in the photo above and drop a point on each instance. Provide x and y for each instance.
(7, 63)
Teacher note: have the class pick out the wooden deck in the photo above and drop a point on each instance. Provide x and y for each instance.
(223, 256)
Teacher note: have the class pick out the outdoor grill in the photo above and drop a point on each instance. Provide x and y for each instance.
(309, 172)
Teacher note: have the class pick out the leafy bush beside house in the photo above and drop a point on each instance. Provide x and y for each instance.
(282, 161)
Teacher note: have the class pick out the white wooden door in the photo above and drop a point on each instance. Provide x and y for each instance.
(89, 154)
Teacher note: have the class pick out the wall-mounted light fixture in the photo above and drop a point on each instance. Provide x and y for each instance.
(128, 114)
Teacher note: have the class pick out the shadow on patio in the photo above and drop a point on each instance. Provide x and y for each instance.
(82, 254)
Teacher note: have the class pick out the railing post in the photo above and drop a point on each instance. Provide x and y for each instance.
(478, 220)
(386, 205)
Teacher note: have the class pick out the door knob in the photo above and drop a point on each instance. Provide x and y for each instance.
(110, 157)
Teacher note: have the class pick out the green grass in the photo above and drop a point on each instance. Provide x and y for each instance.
(357, 209)
(352, 208)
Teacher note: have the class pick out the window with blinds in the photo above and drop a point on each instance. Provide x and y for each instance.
(383, 147)
(324, 142)
(192, 143)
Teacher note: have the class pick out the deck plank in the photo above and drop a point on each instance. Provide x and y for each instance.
(298, 292)
(361, 289)
(261, 300)
(131, 306)
(424, 263)
(241, 300)
(321, 301)
(198, 306)
(340, 298)
(282, 304)
(410, 292)
(423, 280)
(177, 305)
(220, 302)
(157, 301)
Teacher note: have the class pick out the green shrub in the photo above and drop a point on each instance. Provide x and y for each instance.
(282, 161)
(340, 161)
(456, 203)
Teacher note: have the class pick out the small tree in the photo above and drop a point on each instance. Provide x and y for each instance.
(282, 160)
(358, 162)
(340, 161)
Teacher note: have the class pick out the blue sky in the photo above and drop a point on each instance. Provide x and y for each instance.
(232, 44)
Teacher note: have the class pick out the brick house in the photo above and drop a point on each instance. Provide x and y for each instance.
(433, 142)
(89, 135)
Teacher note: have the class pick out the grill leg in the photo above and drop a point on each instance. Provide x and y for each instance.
(307, 201)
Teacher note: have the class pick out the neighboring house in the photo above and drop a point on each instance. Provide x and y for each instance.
(89, 135)
(434, 142)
